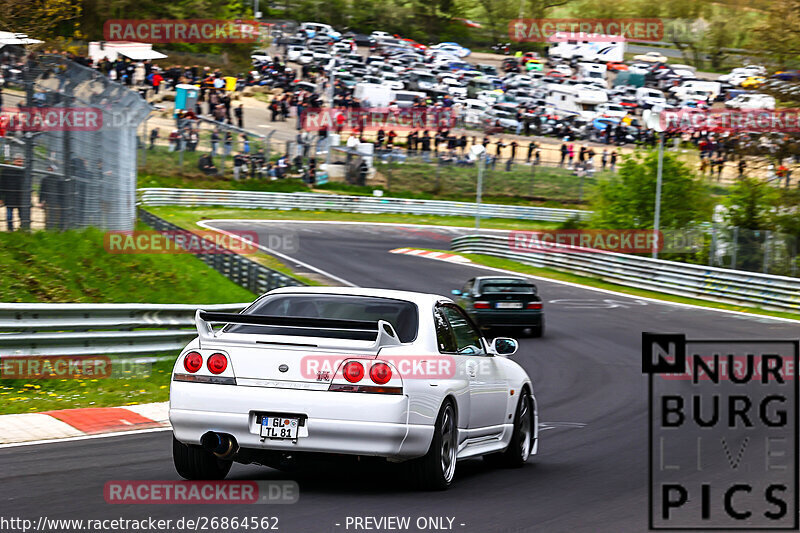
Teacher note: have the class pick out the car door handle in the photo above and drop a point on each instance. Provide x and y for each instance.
(472, 369)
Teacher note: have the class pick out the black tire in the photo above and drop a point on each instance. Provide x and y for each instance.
(538, 330)
(194, 463)
(435, 471)
(521, 444)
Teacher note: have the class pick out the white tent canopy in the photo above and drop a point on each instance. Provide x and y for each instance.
(7, 37)
(111, 49)
(140, 54)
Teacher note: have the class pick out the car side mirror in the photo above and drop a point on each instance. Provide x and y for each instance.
(505, 346)
(456, 292)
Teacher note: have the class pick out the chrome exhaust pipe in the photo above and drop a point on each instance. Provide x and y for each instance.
(220, 444)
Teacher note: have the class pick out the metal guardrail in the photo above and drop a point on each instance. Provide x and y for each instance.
(351, 204)
(775, 293)
(251, 275)
(98, 329)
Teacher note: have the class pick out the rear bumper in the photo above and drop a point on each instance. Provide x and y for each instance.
(335, 422)
(517, 318)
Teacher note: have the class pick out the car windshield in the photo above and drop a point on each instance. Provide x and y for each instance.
(402, 315)
(507, 285)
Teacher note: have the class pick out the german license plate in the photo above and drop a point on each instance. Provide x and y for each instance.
(273, 427)
(509, 305)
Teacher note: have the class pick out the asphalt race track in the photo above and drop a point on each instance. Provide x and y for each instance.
(591, 470)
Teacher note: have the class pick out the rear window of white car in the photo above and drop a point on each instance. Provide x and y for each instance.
(402, 315)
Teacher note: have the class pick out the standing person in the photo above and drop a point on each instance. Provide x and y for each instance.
(390, 137)
(564, 152)
(11, 180)
(425, 145)
(214, 142)
(312, 171)
(51, 197)
(153, 137)
(274, 108)
(239, 113)
(412, 141)
(380, 139)
(499, 150)
(245, 144)
(513, 149)
(613, 162)
(531, 149)
(462, 143)
(227, 145)
(239, 161)
(604, 158)
(742, 166)
(156, 80)
(570, 154)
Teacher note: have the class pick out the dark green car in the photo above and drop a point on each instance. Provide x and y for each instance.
(502, 302)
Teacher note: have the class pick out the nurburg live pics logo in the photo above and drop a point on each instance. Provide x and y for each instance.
(723, 433)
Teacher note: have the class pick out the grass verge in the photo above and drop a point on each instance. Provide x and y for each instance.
(73, 266)
(144, 384)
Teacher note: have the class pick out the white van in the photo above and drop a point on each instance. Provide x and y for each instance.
(581, 100)
(472, 110)
(587, 47)
(713, 87)
(647, 98)
(373, 94)
(751, 101)
(314, 29)
(406, 98)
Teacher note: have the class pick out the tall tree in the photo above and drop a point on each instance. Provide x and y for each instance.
(627, 201)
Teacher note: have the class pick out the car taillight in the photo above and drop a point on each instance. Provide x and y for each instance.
(482, 305)
(192, 362)
(217, 363)
(353, 371)
(534, 305)
(380, 373)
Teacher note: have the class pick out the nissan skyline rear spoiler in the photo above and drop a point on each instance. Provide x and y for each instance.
(385, 334)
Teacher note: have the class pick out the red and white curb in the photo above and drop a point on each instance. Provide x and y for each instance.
(441, 256)
(71, 423)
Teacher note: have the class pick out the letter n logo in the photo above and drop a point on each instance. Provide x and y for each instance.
(663, 353)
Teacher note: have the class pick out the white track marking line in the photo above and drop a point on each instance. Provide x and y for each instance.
(85, 437)
(207, 224)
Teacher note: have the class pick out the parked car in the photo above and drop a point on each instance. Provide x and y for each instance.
(753, 82)
(651, 57)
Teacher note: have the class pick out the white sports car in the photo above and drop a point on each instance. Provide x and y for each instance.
(366, 372)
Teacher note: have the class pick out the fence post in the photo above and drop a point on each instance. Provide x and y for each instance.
(735, 245)
(767, 235)
(712, 246)
(533, 174)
